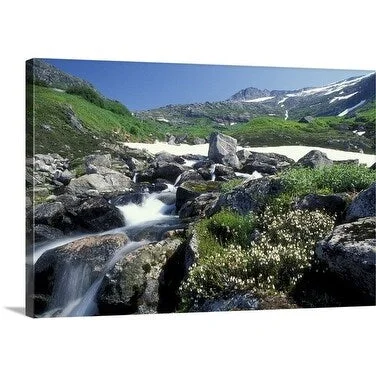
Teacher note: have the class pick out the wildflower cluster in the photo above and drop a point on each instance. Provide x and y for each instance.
(275, 262)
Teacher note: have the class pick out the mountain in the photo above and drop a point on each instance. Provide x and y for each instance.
(338, 99)
(44, 74)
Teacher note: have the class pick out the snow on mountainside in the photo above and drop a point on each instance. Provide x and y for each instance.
(335, 99)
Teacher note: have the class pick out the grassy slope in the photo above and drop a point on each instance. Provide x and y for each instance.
(51, 107)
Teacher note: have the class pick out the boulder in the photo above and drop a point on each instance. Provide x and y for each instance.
(363, 205)
(332, 204)
(45, 232)
(201, 206)
(164, 157)
(222, 149)
(96, 214)
(103, 184)
(266, 163)
(168, 171)
(63, 177)
(97, 163)
(199, 141)
(63, 274)
(315, 159)
(132, 285)
(224, 173)
(190, 175)
(350, 252)
(190, 190)
(51, 214)
(251, 196)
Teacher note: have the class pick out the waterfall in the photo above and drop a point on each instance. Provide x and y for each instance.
(135, 177)
(212, 172)
(177, 180)
(151, 209)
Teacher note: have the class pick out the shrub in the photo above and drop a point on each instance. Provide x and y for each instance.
(88, 94)
(275, 262)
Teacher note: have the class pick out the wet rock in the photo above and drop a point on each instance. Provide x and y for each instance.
(96, 214)
(363, 205)
(45, 232)
(58, 271)
(350, 252)
(51, 214)
(315, 159)
(132, 286)
(168, 171)
(189, 176)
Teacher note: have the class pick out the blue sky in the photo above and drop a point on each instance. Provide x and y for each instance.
(143, 86)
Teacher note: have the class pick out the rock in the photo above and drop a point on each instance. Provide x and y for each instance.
(315, 159)
(45, 232)
(189, 176)
(58, 270)
(222, 149)
(164, 157)
(73, 119)
(251, 196)
(97, 215)
(307, 119)
(63, 177)
(243, 155)
(170, 140)
(97, 163)
(350, 252)
(199, 141)
(373, 167)
(202, 206)
(51, 214)
(51, 198)
(237, 302)
(103, 184)
(266, 163)
(168, 171)
(363, 205)
(132, 286)
(190, 190)
(224, 173)
(332, 204)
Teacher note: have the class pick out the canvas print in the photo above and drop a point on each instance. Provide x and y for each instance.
(169, 188)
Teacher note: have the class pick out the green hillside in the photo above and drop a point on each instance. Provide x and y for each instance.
(77, 122)
(70, 124)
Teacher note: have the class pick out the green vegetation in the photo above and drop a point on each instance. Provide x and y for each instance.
(54, 115)
(227, 264)
(228, 186)
(269, 253)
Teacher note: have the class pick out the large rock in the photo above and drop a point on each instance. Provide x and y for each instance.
(65, 273)
(45, 232)
(265, 163)
(251, 196)
(202, 206)
(190, 190)
(222, 149)
(363, 205)
(168, 171)
(97, 163)
(350, 252)
(51, 214)
(96, 214)
(224, 173)
(103, 184)
(190, 175)
(132, 286)
(333, 204)
(315, 159)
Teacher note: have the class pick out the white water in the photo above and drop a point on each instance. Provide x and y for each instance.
(73, 294)
(212, 172)
(135, 177)
(151, 209)
(253, 176)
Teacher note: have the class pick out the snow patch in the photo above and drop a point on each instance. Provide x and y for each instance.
(256, 100)
(343, 113)
(282, 100)
(343, 97)
(163, 120)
